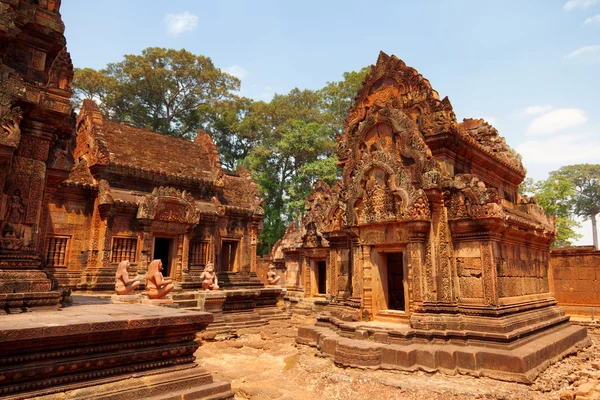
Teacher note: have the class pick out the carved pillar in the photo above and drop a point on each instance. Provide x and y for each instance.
(306, 270)
(106, 243)
(367, 280)
(185, 262)
(415, 277)
(446, 269)
(178, 275)
(356, 274)
(146, 239)
(490, 283)
(333, 271)
(44, 220)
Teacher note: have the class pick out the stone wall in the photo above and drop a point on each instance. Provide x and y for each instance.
(576, 275)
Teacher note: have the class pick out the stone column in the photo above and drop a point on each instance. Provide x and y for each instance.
(355, 300)
(367, 280)
(415, 277)
(490, 279)
(333, 272)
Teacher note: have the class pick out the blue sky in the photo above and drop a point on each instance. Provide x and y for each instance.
(531, 68)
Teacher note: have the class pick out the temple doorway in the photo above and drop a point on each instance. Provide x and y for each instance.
(228, 255)
(395, 282)
(162, 251)
(321, 277)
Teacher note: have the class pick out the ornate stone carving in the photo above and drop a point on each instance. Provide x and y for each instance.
(209, 278)
(61, 155)
(10, 135)
(61, 74)
(169, 204)
(272, 277)
(123, 284)
(15, 235)
(157, 286)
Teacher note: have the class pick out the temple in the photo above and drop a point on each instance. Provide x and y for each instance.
(137, 195)
(36, 120)
(426, 231)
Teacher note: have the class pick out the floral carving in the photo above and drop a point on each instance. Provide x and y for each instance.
(169, 204)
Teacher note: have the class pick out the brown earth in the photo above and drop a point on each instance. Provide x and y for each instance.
(266, 363)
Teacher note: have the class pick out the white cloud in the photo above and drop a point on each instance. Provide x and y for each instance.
(556, 120)
(236, 71)
(179, 23)
(490, 119)
(560, 150)
(537, 109)
(589, 54)
(592, 20)
(571, 4)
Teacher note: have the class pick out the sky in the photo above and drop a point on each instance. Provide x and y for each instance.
(530, 68)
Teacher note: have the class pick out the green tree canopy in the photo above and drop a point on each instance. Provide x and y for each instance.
(165, 90)
(585, 199)
(287, 143)
(337, 97)
(554, 195)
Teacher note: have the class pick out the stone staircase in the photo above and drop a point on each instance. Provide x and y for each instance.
(306, 305)
(235, 280)
(185, 300)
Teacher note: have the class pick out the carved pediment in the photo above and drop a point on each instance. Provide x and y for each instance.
(169, 205)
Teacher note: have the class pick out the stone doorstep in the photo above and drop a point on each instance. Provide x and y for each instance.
(519, 364)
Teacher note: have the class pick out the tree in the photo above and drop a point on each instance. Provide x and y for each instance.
(554, 195)
(165, 90)
(295, 147)
(338, 97)
(232, 125)
(585, 201)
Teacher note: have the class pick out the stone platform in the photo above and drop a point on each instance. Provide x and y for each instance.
(234, 309)
(102, 351)
(517, 356)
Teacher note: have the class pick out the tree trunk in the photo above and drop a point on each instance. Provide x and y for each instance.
(594, 231)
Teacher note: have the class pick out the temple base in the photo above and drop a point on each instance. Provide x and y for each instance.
(396, 346)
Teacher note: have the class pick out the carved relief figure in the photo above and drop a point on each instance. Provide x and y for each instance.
(209, 278)
(11, 131)
(59, 157)
(15, 210)
(124, 285)
(157, 286)
(377, 201)
(272, 278)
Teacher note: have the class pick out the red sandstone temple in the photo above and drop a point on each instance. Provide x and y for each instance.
(137, 195)
(425, 230)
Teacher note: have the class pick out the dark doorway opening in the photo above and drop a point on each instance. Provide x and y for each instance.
(162, 251)
(395, 281)
(321, 277)
(228, 255)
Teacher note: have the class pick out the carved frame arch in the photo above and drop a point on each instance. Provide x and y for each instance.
(396, 184)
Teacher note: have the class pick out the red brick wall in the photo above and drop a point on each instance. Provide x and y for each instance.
(576, 275)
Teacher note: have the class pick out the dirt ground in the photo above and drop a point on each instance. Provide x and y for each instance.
(266, 363)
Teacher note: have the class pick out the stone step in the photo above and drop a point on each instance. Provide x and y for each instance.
(186, 303)
(184, 296)
(218, 390)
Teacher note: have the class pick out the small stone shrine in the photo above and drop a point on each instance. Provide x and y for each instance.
(137, 195)
(426, 235)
